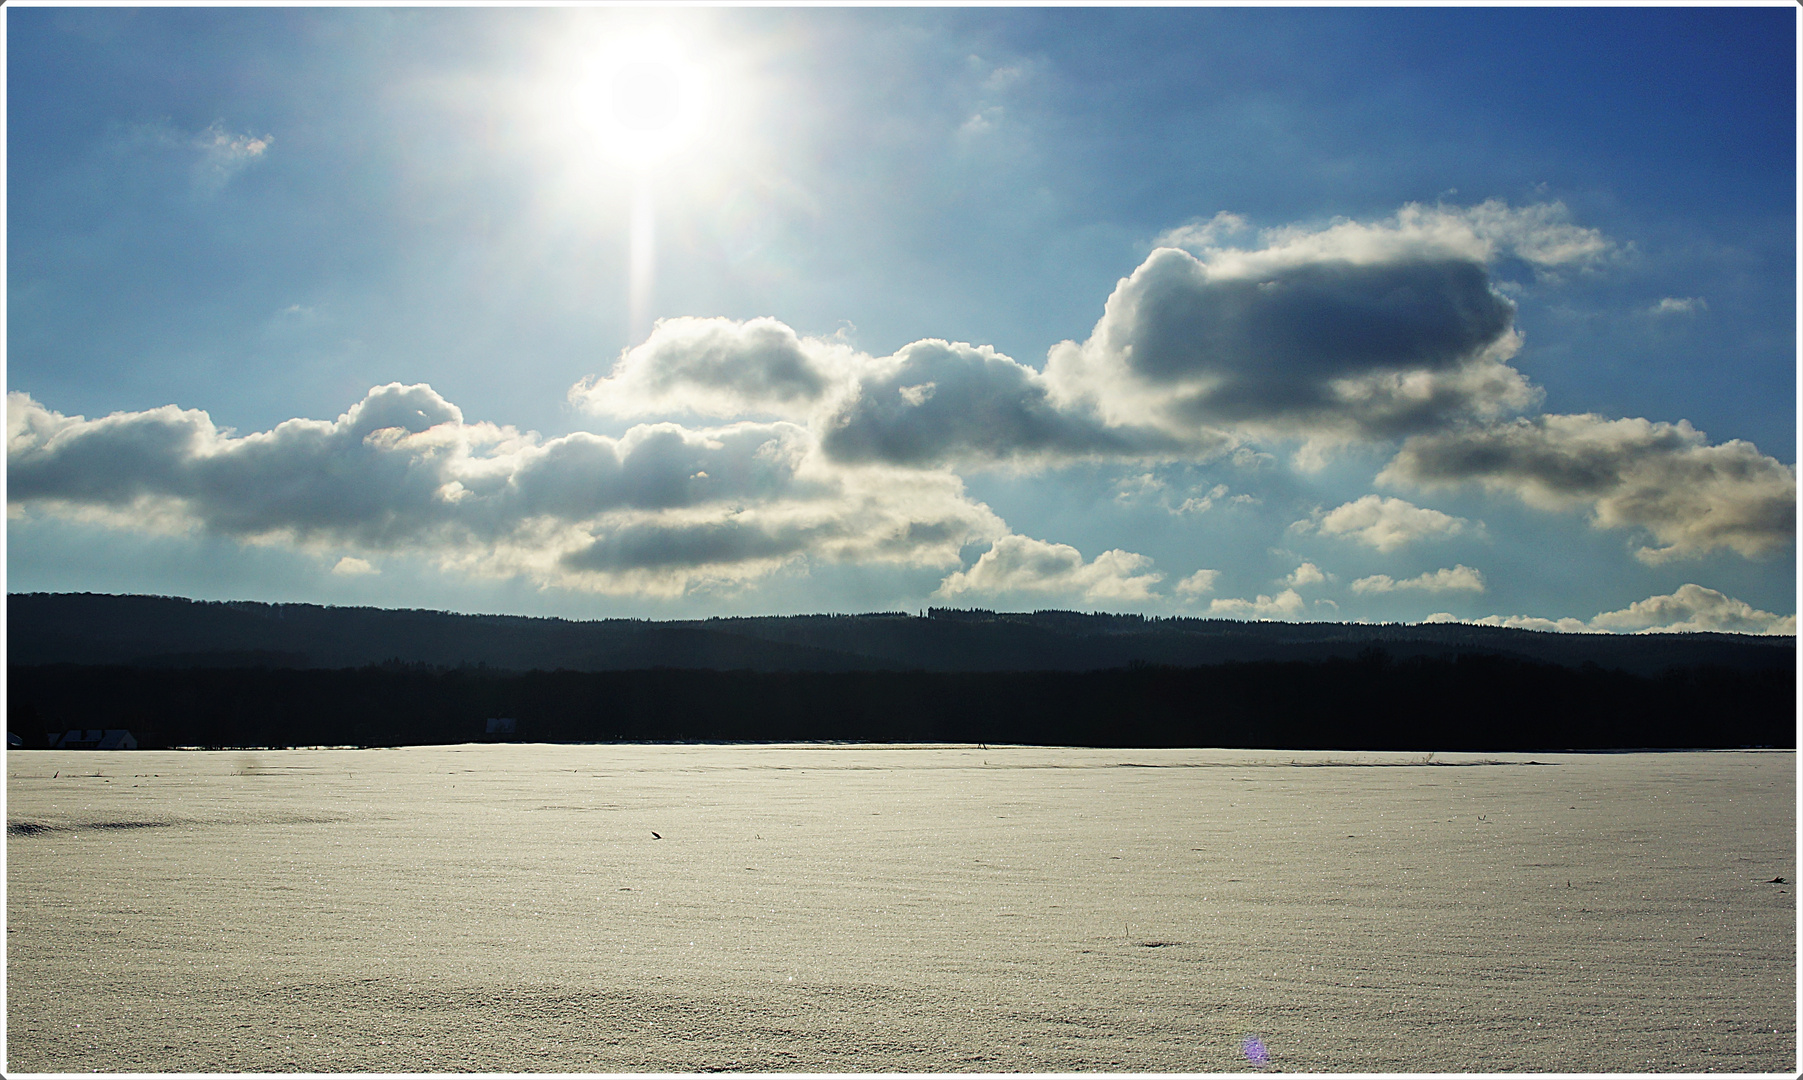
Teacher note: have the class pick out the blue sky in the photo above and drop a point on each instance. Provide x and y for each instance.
(1385, 314)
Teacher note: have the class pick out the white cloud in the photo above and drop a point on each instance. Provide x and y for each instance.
(1200, 504)
(1540, 234)
(1692, 497)
(1133, 489)
(1306, 574)
(1006, 76)
(1201, 235)
(720, 368)
(1384, 523)
(1020, 564)
(981, 122)
(1675, 305)
(223, 154)
(1691, 609)
(929, 403)
(213, 155)
(351, 566)
(1460, 578)
(1284, 604)
(1694, 608)
(660, 510)
(1518, 622)
(1202, 581)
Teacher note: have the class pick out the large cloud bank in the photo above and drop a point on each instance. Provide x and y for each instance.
(761, 448)
(1350, 330)
(659, 510)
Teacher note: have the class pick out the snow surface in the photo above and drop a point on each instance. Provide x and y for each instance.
(857, 908)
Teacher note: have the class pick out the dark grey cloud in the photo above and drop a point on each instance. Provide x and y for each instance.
(1313, 343)
(936, 402)
(1272, 342)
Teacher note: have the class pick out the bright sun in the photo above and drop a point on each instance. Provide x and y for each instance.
(642, 100)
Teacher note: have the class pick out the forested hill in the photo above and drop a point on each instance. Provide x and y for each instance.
(150, 631)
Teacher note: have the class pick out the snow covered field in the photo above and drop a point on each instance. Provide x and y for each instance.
(540, 908)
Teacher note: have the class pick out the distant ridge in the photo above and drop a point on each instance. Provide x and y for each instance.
(171, 632)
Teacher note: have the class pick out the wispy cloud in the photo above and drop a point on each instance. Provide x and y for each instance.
(1541, 234)
(214, 155)
(224, 154)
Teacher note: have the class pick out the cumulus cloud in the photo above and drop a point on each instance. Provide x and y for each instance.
(931, 402)
(1384, 523)
(1285, 604)
(719, 368)
(659, 510)
(1202, 581)
(1519, 622)
(1306, 574)
(351, 566)
(1691, 609)
(1692, 497)
(1459, 578)
(938, 401)
(1694, 608)
(1350, 331)
(1020, 564)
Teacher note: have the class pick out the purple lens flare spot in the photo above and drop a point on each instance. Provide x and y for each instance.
(1255, 1050)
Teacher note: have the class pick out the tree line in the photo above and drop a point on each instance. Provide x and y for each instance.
(1473, 702)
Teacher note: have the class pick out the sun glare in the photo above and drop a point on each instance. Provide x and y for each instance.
(616, 108)
(642, 100)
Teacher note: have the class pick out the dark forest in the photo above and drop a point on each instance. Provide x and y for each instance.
(1465, 702)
